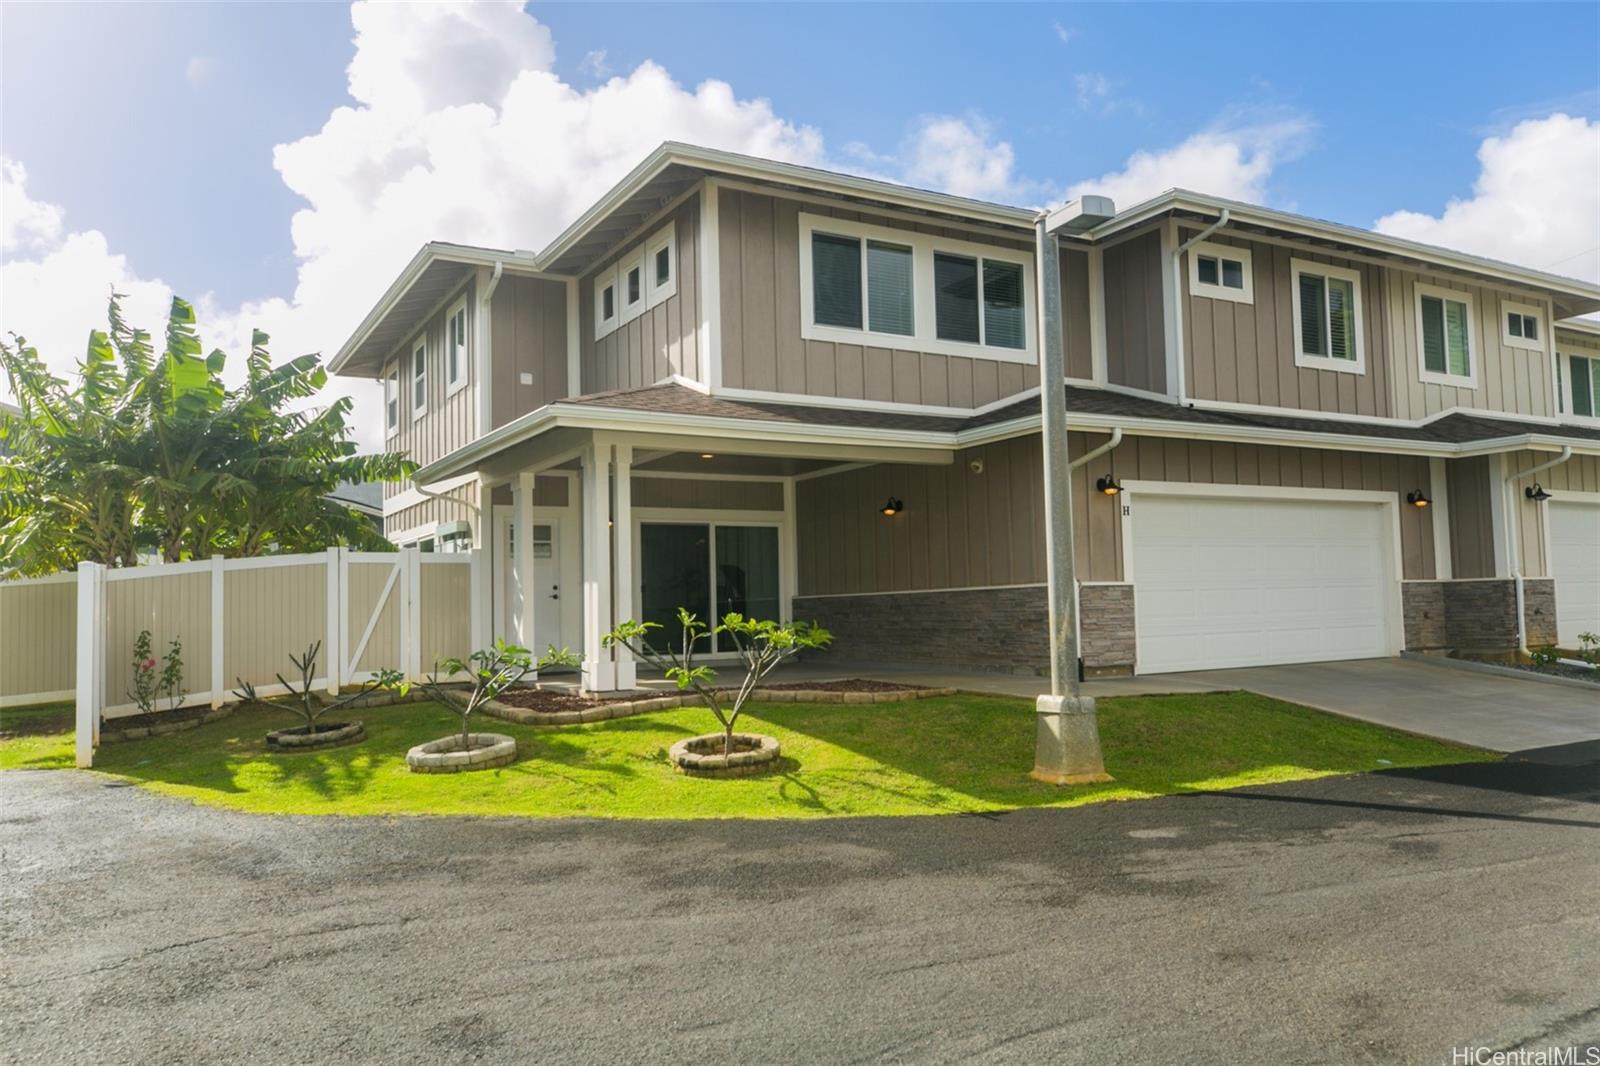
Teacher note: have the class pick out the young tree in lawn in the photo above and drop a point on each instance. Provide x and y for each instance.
(491, 671)
(760, 645)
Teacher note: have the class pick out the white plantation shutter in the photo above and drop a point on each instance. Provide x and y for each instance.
(1341, 319)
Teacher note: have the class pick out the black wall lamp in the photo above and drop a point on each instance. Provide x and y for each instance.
(1536, 493)
(892, 506)
(1416, 499)
(1108, 485)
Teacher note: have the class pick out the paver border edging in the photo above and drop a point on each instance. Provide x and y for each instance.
(295, 738)
(1498, 671)
(626, 708)
(489, 751)
(755, 753)
(111, 735)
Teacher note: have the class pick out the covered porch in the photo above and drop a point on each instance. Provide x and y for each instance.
(583, 527)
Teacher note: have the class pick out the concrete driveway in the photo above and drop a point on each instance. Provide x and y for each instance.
(1486, 711)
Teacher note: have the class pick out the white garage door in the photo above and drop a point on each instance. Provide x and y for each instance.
(1222, 582)
(1575, 563)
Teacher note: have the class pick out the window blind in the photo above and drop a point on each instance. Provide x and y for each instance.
(1312, 297)
(1003, 322)
(1341, 319)
(836, 280)
(955, 284)
(889, 308)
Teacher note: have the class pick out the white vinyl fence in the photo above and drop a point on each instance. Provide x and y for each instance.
(72, 635)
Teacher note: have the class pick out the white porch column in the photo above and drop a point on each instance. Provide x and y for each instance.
(523, 538)
(483, 568)
(599, 674)
(622, 541)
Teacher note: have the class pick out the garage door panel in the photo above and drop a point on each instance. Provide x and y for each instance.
(1224, 582)
(1575, 565)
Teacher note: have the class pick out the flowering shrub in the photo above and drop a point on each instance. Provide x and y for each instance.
(151, 686)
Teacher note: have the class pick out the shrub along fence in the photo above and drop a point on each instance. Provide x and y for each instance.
(72, 635)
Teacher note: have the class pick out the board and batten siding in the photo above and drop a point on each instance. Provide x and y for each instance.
(527, 335)
(39, 636)
(1509, 379)
(1471, 528)
(1075, 313)
(762, 349)
(706, 494)
(1581, 473)
(449, 421)
(1136, 347)
(1245, 353)
(663, 340)
(963, 529)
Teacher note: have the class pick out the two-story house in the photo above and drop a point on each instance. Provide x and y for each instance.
(735, 384)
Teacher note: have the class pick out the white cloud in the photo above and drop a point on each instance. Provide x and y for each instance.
(1093, 89)
(1536, 201)
(961, 156)
(1230, 161)
(26, 224)
(200, 70)
(1065, 33)
(594, 63)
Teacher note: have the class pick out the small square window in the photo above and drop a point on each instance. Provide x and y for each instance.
(1232, 274)
(635, 286)
(1208, 270)
(608, 303)
(1521, 326)
(663, 265)
(1514, 324)
(1221, 272)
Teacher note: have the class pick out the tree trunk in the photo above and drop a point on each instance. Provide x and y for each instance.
(727, 740)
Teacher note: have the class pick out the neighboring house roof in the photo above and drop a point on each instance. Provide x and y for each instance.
(673, 169)
(363, 496)
(671, 407)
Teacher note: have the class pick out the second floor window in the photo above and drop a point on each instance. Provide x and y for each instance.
(1520, 327)
(391, 401)
(1327, 309)
(419, 379)
(1446, 337)
(1585, 375)
(1221, 272)
(915, 291)
(455, 347)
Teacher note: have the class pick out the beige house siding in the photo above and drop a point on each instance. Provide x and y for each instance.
(1136, 351)
(1509, 379)
(1075, 313)
(663, 340)
(706, 494)
(759, 241)
(961, 529)
(1581, 473)
(1471, 528)
(527, 335)
(449, 422)
(1245, 353)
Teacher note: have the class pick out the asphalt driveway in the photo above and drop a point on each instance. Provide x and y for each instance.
(1483, 710)
(1374, 918)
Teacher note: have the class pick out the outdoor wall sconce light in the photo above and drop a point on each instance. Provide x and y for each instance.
(1536, 493)
(1416, 499)
(891, 507)
(1108, 485)
(707, 455)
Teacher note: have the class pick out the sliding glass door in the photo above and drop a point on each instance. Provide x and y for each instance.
(703, 566)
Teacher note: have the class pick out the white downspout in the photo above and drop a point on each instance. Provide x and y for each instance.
(1508, 498)
(1177, 288)
(1086, 457)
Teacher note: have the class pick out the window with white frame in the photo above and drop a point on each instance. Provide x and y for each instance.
(605, 303)
(631, 283)
(1583, 371)
(661, 264)
(1327, 317)
(391, 401)
(861, 283)
(419, 378)
(1221, 272)
(1521, 326)
(1447, 339)
(455, 347)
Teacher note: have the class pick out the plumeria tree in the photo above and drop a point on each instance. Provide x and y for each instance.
(306, 703)
(490, 672)
(761, 645)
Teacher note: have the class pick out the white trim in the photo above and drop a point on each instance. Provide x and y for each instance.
(687, 475)
(627, 263)
(708, 259)
(827, 471)
(799, 399)
(607, 279)
(419, 344)
(459, 382)
(218, 633)
(924, 336)
(1499, 494)
(1394, 635)
(1474, 344)
(1439, 490)
(1097, 315)
(1219, 291)
(482, 348)
(1311, 360)
(411, 497)
(1568, 414)
(1382, 420)
(574, 341)
(689, 383)
(664, 238)
(788, 552)
(1172, 313)
(1541, 326)
(391, 394)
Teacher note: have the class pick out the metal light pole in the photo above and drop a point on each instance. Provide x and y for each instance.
(1067, 738)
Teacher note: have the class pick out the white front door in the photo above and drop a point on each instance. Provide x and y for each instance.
(1575, 565)
(1222, 581)
(547, 591)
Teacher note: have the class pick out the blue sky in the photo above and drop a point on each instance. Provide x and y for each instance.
(154, 126)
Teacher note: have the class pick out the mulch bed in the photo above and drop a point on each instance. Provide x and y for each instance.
(1577, 673)
(538, 699)
(849, 684)
(14, 725)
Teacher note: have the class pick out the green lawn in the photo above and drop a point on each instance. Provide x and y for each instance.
(962, 753)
